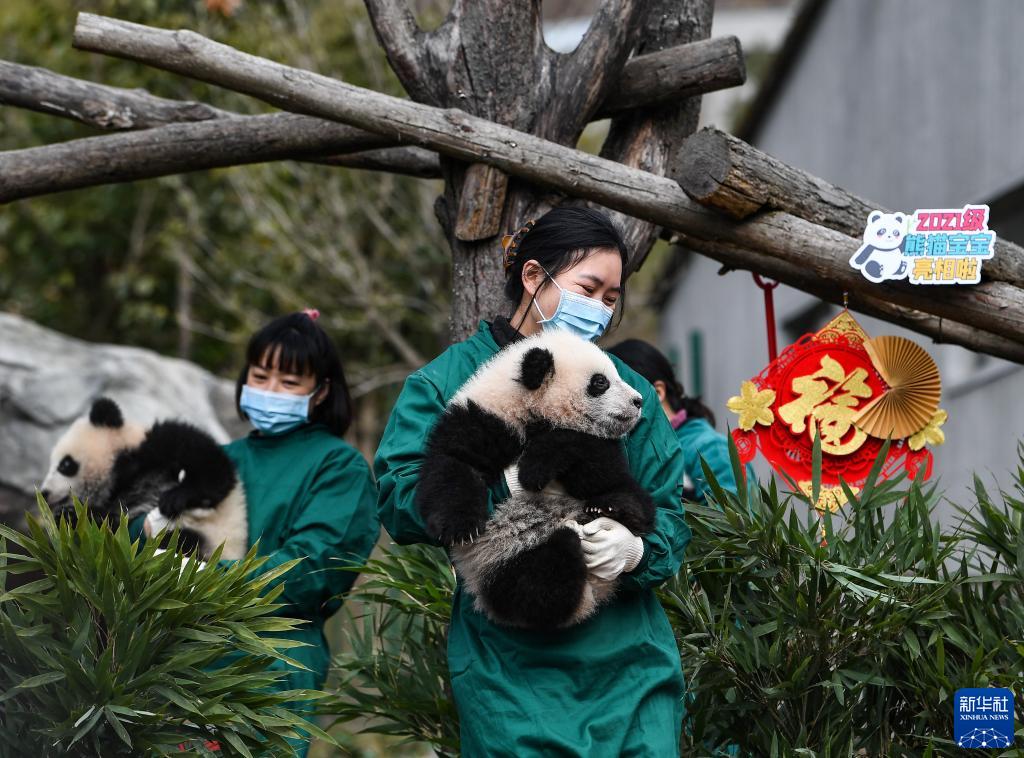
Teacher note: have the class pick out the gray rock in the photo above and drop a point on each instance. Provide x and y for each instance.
(47, 380)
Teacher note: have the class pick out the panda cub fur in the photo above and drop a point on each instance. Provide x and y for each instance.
(554, 405)
(174, 472)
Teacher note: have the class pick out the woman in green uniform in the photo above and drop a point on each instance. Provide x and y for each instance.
(310, 494)
(693, 421)
(612, 685)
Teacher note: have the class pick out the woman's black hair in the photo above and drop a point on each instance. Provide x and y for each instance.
(301, 346)
(645, 359)
(559, 240)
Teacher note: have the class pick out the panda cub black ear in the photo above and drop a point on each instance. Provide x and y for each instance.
(106, 413)
(536, 365)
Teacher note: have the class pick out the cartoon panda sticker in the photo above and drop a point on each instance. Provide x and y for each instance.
(881, 256)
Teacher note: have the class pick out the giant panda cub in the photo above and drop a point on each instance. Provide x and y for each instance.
(553, 408)
(174, 472)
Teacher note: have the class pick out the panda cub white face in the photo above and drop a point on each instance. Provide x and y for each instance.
(83, 457)
(558, 377)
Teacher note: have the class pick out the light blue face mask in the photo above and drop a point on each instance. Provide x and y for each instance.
(583, 316)
(274, 412)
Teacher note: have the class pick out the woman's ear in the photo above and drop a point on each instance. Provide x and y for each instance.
(661, 389)
(533, 277)
(322, 393)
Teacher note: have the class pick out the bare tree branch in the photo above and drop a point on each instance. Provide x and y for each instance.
(410, 161)
(401, 38)
(994, 307)
(584, 77)
(702, 65)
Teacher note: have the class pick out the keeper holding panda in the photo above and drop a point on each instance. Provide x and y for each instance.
(552, 476)
(293, 483)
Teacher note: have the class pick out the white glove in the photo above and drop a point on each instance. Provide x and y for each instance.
(155, 521)
(512, 479)
(609, 548)
(553, 487)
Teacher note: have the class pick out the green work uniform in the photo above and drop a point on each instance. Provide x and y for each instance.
(310, 494)
(612, 685)
(698, 439)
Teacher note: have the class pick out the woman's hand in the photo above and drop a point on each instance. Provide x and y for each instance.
(609, 548)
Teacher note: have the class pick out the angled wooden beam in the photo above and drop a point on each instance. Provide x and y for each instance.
(236, 140)
(675, 72)
(99, 105)
(723, 172)
(994, 307)
(216, 143)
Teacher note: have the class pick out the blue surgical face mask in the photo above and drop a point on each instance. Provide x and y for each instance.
(583, 316)
(275, 412)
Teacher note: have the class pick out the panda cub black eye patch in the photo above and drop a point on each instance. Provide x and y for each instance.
(599, 384)
(68, 466)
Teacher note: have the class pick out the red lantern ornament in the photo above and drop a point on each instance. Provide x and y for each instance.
(823, 384)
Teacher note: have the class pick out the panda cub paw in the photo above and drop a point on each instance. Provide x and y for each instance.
(454, 531)
(174, 502)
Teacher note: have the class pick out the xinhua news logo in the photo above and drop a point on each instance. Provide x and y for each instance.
(983, 717)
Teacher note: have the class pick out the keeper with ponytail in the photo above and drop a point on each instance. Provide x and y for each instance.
(694, 423)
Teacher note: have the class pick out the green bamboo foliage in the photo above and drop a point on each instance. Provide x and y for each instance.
(394, 678)
(789, 646)
(113, 649)
(795, 647)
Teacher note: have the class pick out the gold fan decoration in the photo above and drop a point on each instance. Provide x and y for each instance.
(914, 390)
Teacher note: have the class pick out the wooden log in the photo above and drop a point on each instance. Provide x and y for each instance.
(994, 307)
(723, 172)
(116, 108)
(178, 148)
(100, 105)
(675, 73)
(941, 331)
(481, 203)
(409, 161)
(649, 138)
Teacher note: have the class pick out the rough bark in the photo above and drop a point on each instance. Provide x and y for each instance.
(100, 105)
(489, 59)
(215, 143)
(649, 138)
(676, 70)
(670, 73)
(725, 173)
(995, 307)
(941, 331)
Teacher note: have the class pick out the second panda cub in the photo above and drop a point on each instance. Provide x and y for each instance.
(174, 472)
(553, 405)
(188, 483)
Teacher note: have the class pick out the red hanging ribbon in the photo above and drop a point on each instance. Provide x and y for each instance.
(769, 314)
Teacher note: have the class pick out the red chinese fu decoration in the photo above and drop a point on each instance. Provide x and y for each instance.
(854, 392)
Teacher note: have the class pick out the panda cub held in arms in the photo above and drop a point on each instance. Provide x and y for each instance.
(174, 472)
(554, 405)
